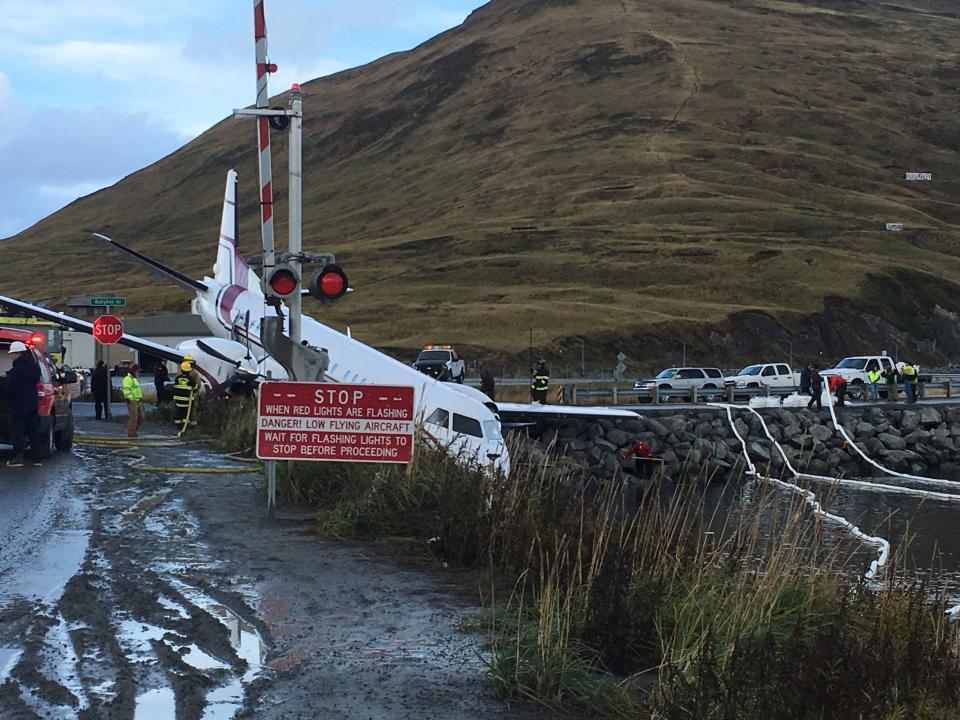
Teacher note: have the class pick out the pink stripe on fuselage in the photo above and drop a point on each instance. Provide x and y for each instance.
(227, 300)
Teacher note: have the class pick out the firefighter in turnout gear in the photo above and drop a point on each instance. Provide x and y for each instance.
(185, 389)
(540, 383)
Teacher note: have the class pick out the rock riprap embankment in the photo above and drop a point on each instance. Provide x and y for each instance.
(915, 440)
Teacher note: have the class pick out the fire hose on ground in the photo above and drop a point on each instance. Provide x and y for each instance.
(126, 447)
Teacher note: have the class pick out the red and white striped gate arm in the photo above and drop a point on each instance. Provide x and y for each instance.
(263, 131)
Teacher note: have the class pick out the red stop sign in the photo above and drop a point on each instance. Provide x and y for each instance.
(107, 329)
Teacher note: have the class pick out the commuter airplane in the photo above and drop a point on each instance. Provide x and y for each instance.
(232, 304)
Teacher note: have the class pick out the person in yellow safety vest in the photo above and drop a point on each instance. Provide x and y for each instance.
(540, 383)
(185, 388)
(133, 394)
(910, 378)
(873, 375)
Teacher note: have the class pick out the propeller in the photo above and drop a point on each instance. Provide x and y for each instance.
(240, 383)
(209, 350)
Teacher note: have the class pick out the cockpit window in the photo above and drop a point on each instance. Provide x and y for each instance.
(439, 417)
(467, 425)
(491, 430)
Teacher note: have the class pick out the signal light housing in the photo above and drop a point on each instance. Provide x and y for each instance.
(328, 283)
(281, 282)
(37, 340)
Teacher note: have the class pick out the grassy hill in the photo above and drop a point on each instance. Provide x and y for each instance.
(715, 173)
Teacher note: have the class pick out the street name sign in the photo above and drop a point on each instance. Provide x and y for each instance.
(107, 329)
(336, 423)
(107, 301)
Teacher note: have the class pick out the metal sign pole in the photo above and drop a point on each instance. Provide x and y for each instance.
(295, 303)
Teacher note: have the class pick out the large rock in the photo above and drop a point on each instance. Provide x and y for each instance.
(743, 429)
(865, 429)
(791, 430)
(821, 433)
(610, 463)
(576, 445)
(656, 427)
(703, 430)
(929, 417)
(891, 442)
(758, 450)
(618, 438)
(917, 436)
(910, 421)
(704, 447)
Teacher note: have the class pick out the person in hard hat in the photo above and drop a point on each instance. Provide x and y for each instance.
(185, 388)
(133, 394)
(540, 383)
(21, 391)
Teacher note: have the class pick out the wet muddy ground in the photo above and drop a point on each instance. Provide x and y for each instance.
(127, 594)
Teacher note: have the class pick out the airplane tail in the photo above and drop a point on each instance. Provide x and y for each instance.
(231, 268)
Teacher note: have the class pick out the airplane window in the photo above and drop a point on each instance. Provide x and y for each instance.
(467, 425)
(491, 430)
(439, 417)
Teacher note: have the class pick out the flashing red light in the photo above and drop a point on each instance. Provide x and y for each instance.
(295, 86)
(36, 340)
(332, 284)
(283, 282)
(328, 283)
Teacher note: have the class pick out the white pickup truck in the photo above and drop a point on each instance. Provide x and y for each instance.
(776, 376)
(854, 371)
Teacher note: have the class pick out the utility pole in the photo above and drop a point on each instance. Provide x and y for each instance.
(295, 114)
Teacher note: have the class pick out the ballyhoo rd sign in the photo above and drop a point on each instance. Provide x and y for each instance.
(339, 423)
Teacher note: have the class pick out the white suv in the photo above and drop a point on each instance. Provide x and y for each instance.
(677, 382)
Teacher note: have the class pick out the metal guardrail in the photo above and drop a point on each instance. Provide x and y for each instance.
(730, 393)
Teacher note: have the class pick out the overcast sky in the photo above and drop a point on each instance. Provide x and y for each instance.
(92, 91)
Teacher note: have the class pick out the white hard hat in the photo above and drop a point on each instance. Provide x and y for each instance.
(16, 346)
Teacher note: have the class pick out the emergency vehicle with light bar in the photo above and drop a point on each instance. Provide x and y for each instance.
(442, 363)
(56, 405)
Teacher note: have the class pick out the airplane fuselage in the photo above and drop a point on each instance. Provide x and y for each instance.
(461, 424)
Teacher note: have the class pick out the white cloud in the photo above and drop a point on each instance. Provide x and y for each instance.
(162, 71)
(59, 155)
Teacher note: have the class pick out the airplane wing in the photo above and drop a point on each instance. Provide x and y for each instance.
(132, 341)
(187, 283)
(522, 413)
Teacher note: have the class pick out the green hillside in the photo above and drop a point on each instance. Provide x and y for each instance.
(717, 173)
